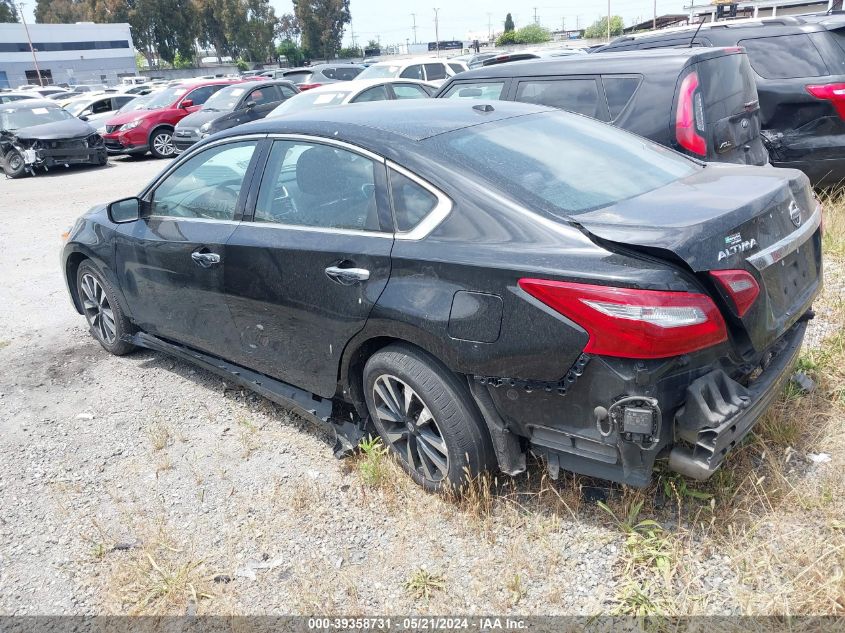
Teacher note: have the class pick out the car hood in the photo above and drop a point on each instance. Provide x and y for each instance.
(70, 128)
(126, 117)
(196, 119)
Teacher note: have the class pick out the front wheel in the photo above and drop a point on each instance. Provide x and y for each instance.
(161, 144)
(105, 319)
(13, 164)
(426, 417)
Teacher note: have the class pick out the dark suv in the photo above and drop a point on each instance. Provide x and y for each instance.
(701, 102)
(799, 67)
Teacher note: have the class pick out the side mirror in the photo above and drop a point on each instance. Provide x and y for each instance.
(83, 117)
(187, 103)
(250, 105)
(126, 210)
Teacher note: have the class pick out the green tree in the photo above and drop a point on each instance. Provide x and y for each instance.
(509, 25)
(8, 12)
(351, 52)
(291, 51)
(507, 38)
(532, 34)
(321, 23)
(598, 29)
(62, 11)
(287, 28)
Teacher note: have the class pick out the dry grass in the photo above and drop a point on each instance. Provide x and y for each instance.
(423, 584)
(159, 434)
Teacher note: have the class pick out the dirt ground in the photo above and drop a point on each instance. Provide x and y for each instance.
(143, 485)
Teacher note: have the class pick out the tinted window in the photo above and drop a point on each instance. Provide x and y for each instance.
(201, 95)
(103, 105)
(562, 164)
(263, 96)
(206, 185)
(433, 72)
(299, 77)
(412, 72)
(575, 95)
(456, 68)
(376, 93)
(347, 74)
(465, 90)
(619, 91)
(785, 57)
(411, 201)
(286, 91)
(119, 102)
(307, 184)
(328, 72)
(409, 91)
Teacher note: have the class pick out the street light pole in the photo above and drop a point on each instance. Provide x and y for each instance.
(31, 47)
(414, 17)
(437, 31)
(608, 20)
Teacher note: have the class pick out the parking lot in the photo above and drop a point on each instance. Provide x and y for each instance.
(143, 485)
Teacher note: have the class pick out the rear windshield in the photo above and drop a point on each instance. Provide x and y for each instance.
(785, 57)
(299, 77)
(381, 71)
(728, 85)
(561, 163)
(311, 99)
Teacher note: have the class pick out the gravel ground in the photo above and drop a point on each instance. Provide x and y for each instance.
(121, 476)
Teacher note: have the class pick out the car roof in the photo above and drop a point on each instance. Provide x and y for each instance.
(409, 119)
(29, 103)
(411, 60)
(656, 59)
(356, 85)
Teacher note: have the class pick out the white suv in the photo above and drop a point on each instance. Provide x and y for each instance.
(430, 69)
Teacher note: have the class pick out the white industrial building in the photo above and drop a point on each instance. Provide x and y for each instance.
(761, 8)
(82, 53)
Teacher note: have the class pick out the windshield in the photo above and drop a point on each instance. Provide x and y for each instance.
(225, 99)
(76, 107)
(136, 103)
(563, 163)
(380, 71)
(307, 100)
(164, 98)
(17, 118)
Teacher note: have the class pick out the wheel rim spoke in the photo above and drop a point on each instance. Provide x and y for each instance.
(438, 461)
(435, 441)
(97, 309)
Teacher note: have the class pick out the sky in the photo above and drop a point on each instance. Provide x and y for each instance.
(391, 22)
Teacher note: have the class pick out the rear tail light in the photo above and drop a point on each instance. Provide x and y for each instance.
(835, 93)
(631, 323)
(740, 286)
(308, 86)
(689, 117)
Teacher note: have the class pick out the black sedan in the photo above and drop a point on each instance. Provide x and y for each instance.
(474, 280)
(231, 106)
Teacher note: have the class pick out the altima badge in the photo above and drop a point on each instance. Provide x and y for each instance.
(795, 213)
(735, 244)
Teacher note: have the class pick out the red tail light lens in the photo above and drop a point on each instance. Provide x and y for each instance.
(835, 93)
(632, 323)
(689, 117)
(740, 286)
(308, 86)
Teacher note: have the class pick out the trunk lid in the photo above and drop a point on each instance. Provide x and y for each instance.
(761, 220)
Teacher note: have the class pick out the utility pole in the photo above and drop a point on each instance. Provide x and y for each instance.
(437, 30)
(414, 18)
(654, 19)
(489, 26)
(608, 20)
(31, 47)
(536, 21)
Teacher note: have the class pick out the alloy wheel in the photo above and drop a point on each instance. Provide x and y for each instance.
(98, 311)
(163, 144)
(410, 428)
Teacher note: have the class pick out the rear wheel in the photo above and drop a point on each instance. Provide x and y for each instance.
(426, 417)
(161, 144)
(105, 319)
(13, 164)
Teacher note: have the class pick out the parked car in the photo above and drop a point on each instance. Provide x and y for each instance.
(150, 129)
(231, 106)
(97, 107)
(39, 134)
(8, 97)
(475, 280)
(357, 91)
(799, 68)
(473, 60)
(701, 101)
(308, 77)
(45, 92)
(523, 55)
(430, 69)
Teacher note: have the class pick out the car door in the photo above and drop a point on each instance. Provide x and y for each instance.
(303, 273)
(172, 260)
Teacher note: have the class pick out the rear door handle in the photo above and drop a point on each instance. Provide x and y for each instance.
(347, 276)
(206, 260)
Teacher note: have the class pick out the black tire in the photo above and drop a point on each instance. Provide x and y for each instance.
(102, 160)
(98, 302)
(455, 425)
(161, 143)
(13, 164)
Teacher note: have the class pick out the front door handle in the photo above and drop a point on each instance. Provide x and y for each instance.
(347, 276)
(206, 260)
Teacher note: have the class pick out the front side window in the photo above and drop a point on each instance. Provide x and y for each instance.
(376, 93)
(483, 90)
(413, 72)
(411, 201)
(103, 105)
(201, 95)
(263, 96)
(434, 72)
(207, 185)
(574, 95)
(320, 186)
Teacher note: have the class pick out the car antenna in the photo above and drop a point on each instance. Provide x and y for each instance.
(694, 35)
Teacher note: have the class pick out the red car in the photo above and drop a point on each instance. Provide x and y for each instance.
(150, 128)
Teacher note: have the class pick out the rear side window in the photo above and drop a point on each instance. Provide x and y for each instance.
(456, 68)
(435, 71)
(785, 57)
(376, 93)
(409, 91)
(346, 74)
(411, 201)
(839, 37)
(413, 72)
(466, 90)
(619, 91)
(574, 95)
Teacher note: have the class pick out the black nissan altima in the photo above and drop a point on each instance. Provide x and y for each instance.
(472, 281)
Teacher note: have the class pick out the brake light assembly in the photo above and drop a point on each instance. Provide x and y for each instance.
(303, 87)
(835, 93)
(689, 116)
(633, 323)
(740, 286)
